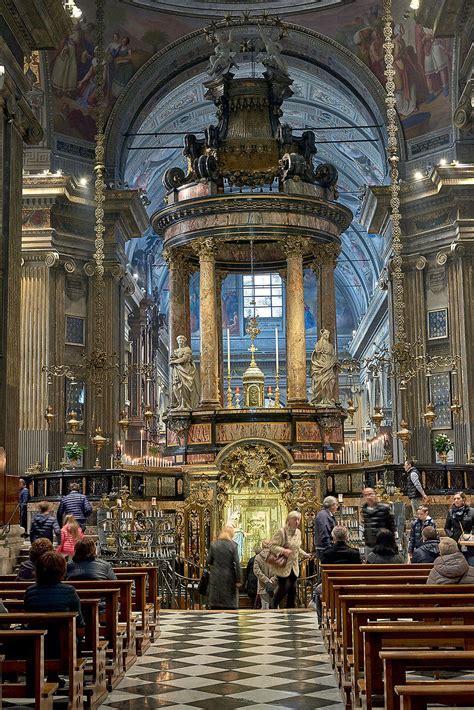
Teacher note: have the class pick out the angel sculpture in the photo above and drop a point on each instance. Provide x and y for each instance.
(223, 58)
(272, 58)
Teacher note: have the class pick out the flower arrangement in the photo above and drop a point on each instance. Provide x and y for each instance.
(443, 444)
(154, 450)
(73, 450)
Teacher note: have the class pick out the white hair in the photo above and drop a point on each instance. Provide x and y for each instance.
(329, 501)
(293, 514)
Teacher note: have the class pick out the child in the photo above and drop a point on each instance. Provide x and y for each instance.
(71, 532)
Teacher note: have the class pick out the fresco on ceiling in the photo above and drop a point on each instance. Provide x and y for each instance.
(422, 63)
(132, 36)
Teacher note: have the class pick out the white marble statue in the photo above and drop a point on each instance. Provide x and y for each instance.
(183, 376)
(324, 368)
(223, 58)
(272, 57)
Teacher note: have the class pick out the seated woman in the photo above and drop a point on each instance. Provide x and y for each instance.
(27, 569)
(85, 565)
(385, 551)
(50, 593)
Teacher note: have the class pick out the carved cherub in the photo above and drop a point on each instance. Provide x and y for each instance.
(223, 58)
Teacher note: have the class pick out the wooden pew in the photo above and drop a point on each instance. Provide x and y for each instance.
(151, 593)
(126, 618)
(109, 630)
(416, 635)
(332, 572)
(60, 625)
(397, 663)
(139, 605)
(31, 663)
(419, 696)
(395, 584)
(425, 614)
(92, 649)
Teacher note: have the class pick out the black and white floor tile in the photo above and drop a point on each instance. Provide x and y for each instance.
(230, 660)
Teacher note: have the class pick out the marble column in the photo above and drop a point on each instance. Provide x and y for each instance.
(209, 362)
(417, 395)
(325, 260)
(178, 284)
(220, 277)
(295, 330)
(460, 269)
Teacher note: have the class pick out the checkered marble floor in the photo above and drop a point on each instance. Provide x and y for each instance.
(229, 660)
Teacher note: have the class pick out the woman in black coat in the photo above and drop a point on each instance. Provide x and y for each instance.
(226, 574)
(460, 517)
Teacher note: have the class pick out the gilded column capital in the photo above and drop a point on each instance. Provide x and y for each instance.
(326, 254)
(292, 247)
(205, 249)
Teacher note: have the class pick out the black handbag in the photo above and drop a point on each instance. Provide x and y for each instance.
(203, 585)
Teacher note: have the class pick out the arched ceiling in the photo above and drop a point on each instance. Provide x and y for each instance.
(320, 100)
(206, 8)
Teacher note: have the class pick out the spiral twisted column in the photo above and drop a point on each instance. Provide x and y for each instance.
(209, 367)
(295, 330)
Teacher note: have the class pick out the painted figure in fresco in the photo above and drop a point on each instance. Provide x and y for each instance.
(433, 59)
(65, 67)
(405, 87)
(309, 321)
(183, 376)
(324, 368)
(122, 67)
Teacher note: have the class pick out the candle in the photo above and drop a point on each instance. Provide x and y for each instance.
(141, 443)
(111, 461)
(276, 352)
(153, 501)
(228, 352)
(46, 462)
(119, 502)
(339, 497)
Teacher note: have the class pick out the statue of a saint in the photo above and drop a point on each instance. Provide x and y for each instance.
(272, 57)
(183, 376)
(324, 367)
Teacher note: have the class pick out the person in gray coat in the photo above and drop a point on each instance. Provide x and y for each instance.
(226, 574)
(324, 525)
(451, 566)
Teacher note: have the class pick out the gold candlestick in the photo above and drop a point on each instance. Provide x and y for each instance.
(229, 392)
(277, 390)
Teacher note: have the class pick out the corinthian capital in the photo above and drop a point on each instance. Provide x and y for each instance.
(293, 246)
(326, 253)
(205, 248)
(175, 259)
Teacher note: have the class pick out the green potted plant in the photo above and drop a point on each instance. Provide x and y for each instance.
(73, 451)
(443, 445)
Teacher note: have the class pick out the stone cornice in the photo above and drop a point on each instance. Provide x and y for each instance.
(225, 204)
(37, 24)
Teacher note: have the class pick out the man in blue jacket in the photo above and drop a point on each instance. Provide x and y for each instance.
(76, 504)
(325, 522)
(23, 497)
(44, 524)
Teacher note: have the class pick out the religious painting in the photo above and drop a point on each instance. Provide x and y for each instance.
(194, 304)
(422, 62)
(230, 304)
(75, 330)
(438, 324)
(132, 36)
(440, 397)
(310, 303)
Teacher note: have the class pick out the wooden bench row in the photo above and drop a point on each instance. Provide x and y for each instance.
(120, 623)
(383, 623)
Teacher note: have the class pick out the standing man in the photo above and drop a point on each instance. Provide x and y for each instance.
(76, 504)
(418, 524)
(375, 516)
(415, 491)
(23, 497)
(324, 525)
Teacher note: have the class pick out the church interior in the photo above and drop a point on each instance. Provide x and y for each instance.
(236, 286)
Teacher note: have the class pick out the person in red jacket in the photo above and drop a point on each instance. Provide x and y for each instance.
(71, 532)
